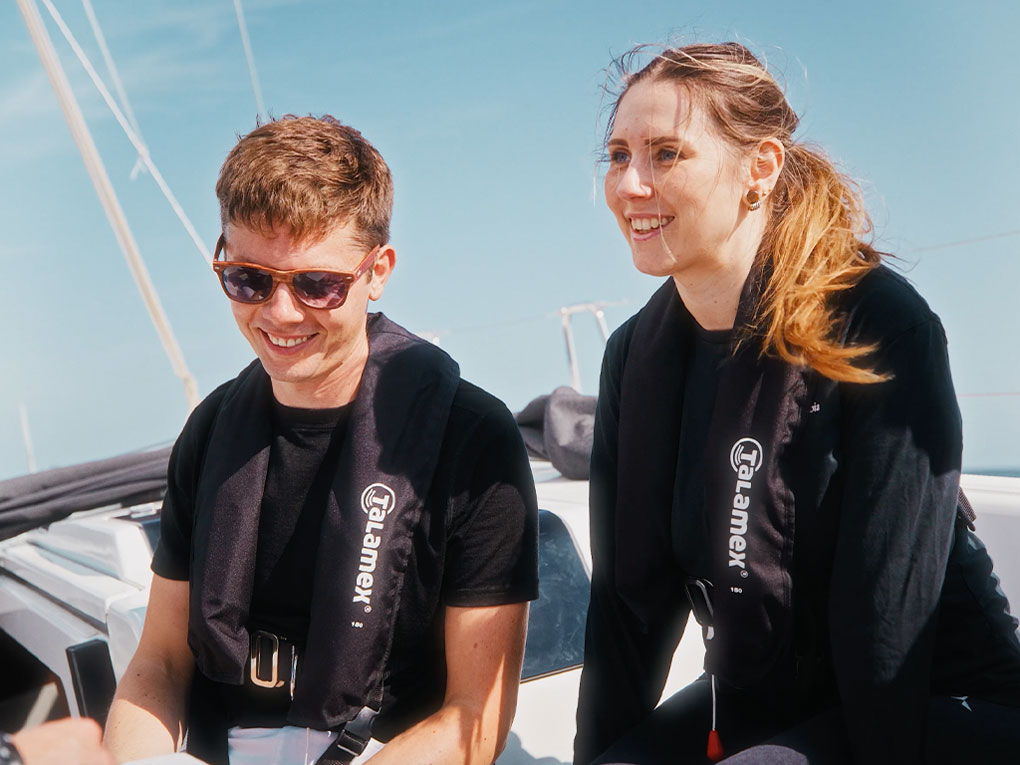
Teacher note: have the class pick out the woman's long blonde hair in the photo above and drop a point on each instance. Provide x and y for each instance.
(817, 225)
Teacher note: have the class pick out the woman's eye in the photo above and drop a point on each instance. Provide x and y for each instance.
(618, 157)
(668, 155)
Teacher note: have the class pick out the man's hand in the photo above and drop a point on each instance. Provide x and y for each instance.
(63, 742)
(484, 651)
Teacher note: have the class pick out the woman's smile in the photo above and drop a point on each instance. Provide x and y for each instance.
(648, 226)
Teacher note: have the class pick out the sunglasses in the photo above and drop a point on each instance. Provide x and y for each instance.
(315, 287)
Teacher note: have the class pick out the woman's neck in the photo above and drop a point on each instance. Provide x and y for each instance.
(711, 294)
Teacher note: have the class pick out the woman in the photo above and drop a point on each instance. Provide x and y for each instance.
(777, 445)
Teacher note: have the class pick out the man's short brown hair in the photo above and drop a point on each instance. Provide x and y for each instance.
(310, 175)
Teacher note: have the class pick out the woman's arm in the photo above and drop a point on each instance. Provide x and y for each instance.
(902, 447)
(625, 667)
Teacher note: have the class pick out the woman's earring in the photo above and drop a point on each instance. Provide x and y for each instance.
(753, 199)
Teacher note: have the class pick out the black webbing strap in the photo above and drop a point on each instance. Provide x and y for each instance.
(356, 734)
(351, 742)
(965, 512)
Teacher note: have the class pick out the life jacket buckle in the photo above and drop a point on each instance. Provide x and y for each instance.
(258, 676)
(699, 593)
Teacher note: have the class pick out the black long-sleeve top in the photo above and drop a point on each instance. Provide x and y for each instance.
(894, 599)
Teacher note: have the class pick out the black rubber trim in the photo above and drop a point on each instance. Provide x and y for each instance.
(92, 678)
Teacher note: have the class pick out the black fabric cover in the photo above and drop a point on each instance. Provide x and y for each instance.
(387, 461)
(558, 427)
(30, 501)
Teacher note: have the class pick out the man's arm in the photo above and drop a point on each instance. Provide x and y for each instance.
(484, 651)
(148, 711)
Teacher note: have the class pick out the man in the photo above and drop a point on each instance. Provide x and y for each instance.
(349, 528)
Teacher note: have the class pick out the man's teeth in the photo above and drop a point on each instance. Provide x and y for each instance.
(286, 342)
(647, 224)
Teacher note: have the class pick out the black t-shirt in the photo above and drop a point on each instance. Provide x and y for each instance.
(302, 459)
(477, 543)
(689, 522)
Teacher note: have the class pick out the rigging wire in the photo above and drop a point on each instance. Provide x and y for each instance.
(250, 58)
(143, 152)
(961, 242)
(118, 85)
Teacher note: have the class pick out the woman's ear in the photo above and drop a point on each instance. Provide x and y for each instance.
(766, 163)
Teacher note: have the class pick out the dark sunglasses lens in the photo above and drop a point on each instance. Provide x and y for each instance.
(247, 285)
(320, 289)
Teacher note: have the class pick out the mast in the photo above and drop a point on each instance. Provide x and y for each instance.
(107, 196)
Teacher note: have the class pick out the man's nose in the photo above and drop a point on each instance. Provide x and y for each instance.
(283, 306)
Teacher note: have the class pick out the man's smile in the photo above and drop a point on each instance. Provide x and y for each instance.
(287, 342)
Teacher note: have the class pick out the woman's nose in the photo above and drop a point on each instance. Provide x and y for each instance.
(634, 182)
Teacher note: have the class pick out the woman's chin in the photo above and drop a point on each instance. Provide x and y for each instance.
(659, 265)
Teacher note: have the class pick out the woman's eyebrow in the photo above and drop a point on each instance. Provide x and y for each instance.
(651, 141)
(670, 139)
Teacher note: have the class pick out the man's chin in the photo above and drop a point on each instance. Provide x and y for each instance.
(288, 372)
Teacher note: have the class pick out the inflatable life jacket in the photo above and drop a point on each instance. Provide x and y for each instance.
(385, 470)
(757, 410)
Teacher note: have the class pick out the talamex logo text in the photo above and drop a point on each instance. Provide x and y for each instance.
(377, 500)
(745, 458)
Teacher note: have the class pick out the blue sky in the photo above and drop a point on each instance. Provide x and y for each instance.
(489, 115)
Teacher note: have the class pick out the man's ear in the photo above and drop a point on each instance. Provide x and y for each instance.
(385, 261)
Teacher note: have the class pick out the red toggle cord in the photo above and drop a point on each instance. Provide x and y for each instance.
(715, 752)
